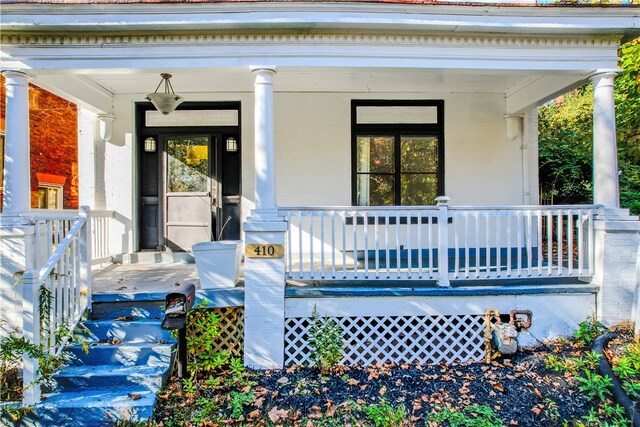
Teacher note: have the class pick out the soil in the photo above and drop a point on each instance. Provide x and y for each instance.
(521, 391)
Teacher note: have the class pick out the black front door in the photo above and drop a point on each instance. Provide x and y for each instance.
(189, 186)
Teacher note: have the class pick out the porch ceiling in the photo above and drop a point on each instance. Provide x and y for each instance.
(88, 87)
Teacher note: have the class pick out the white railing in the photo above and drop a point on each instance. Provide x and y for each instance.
(102, 222)
(58, 292)
(439, 242)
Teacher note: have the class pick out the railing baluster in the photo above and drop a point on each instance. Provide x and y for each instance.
(498, 245)
(343, 216)
(487, 243)
(591, 242)
(365, 259)
(549, 242)
(355, 243)
(300, 250)
(456, 247)
(409, 268)
(398, 249)
(509, 242)
(420, 244)
(519, 229)
(467, 273)
(581, 222)
(311, 258)
(570, 242)
(477, 243)
(377, 242)
(322, 273)
(529, 239)
(333, 245)
(386, 243)
(289, 243)
(559, 231)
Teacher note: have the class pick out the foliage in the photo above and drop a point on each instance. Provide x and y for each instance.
(325, 342)
(385, 415)
(565, 140)
(595, 385)
(202, 333)
(627, 367)
(238, 401)
(470, 416)
(588, 331)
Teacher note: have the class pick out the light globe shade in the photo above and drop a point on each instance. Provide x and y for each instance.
(165, 102)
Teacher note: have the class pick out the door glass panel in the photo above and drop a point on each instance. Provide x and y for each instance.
(419, 154)
(375, 154)
(188, 164)
(418, 189)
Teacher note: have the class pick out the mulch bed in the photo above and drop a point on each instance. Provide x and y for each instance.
(520, 390)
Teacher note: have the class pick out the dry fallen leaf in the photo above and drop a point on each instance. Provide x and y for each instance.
(536, 410)
(352, 381)
(283, 380)
(276, 414)
(383, 390)
(254, 414)
(134, 396)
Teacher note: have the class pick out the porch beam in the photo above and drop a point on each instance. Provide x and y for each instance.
(606, 190)
(79, 89)
(534, 92)
(17, 170)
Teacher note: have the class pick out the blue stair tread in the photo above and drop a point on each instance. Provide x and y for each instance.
(112, 397)
(135, 353)
(111, 370)
(127, 331)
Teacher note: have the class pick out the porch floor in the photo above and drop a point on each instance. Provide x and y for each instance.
(143, 278)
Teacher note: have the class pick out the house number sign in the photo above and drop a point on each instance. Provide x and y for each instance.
(254, 250)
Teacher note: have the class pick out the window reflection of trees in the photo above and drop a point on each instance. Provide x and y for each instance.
(377, 174)
(188, 164)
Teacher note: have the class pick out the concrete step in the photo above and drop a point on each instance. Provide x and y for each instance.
(124, 331)
(153, 257)
(76, 378)
(96, 407)
(120, 308)
(127, 354)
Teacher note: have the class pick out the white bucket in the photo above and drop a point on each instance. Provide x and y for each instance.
(218, 263)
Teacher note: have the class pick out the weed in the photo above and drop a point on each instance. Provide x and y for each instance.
(325, 342)
(207, 409)
(238, 401)
(470, 416)
(632, 389)
(236, 366)
(385, 415)
(189, 386)
(551, 410)
(561, 364)
(588, 331)
(594, 385)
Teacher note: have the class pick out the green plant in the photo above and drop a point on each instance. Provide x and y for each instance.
(325, 342)
(385, 415)
(202, 333)
(594, 385)
(189, 386)
(551, 410)
(238, 401)
(206, 410)
(588, 331)
(470, 416)
(236, 366)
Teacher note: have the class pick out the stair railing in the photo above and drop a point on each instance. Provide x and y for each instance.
(55, 296)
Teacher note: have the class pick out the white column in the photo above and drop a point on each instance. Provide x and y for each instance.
(264, 146)
(605, 155)
(17, 171)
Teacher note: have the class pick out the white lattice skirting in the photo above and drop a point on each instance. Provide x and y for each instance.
(427, 339)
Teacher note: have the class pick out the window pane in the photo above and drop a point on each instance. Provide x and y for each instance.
(188, 164)
(52, 198)
(419, 154)
(418, 189)
(375, 190)
(42, 198)
(375, 154)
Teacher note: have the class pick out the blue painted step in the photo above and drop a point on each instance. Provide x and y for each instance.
(97, 407)
(129, 358)
(129, 331)
(109, 377)
(126, 353)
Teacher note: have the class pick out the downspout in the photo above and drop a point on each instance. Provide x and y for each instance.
(515, 134)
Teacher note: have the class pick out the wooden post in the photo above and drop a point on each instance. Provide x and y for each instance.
(86, 255)
(443, 241)
(31, 332)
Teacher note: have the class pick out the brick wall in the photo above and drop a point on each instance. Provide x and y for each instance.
(53, 123)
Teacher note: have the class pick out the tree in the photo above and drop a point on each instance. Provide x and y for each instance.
(566, 132)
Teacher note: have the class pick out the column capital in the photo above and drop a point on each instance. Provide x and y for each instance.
(269, 69)
(604, 72)
(16, 77)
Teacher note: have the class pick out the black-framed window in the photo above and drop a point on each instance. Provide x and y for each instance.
(397, 152)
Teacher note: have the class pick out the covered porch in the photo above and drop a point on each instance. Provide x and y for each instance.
(306, 110)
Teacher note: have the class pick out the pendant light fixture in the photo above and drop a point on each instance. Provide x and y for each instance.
(166, 101)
